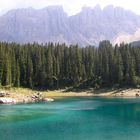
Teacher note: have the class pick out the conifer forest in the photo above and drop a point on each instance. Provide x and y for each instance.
(56, 66)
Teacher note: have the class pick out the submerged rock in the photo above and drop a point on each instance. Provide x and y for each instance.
(7, 101)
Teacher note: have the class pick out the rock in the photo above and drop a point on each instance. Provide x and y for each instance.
(39, 94)
(48, 100)
(137, 95)
(28, 100)
(3, 93)
(7, 101)
(7, 94)
(34, 97)
(37, 97)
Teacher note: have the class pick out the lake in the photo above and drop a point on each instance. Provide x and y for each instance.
(72, 119)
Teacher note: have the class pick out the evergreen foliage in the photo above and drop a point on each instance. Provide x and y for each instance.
(57, 66)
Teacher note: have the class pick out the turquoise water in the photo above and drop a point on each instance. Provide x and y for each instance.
(72, 119)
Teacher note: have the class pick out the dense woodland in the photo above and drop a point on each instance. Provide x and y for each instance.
(58, 66)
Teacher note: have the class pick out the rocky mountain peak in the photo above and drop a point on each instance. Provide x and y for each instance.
(88, 27)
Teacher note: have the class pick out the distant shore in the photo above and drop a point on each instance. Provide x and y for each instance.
(120, 92)
(25, 95)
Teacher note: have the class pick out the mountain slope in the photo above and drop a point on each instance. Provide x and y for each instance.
(135, 43)
(52, 24)
(127, 38)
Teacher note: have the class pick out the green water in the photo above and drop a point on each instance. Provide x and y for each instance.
(72, 119)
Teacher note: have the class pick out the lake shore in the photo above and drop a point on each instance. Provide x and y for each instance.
(25, 95)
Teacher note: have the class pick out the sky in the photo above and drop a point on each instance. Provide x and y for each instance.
(70, 6)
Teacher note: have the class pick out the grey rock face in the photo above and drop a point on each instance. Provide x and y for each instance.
(52, 24)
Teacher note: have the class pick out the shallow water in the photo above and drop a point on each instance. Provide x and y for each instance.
(72, 119)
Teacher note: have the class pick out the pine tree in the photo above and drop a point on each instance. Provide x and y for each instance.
(29, 73)
(17, 79)
(6, 78)
(49, 66)
(1, 68)
(118, 74)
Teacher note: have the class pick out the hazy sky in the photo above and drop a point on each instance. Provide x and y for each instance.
(70, 6)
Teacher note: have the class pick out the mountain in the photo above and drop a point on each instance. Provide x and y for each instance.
(127, 38)
(88, 27)
(135, 43)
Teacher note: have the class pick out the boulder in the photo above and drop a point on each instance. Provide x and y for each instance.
(7, 101)
(3, 93)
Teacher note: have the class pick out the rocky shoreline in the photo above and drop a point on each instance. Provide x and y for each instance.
(11, 98)
(23, 95)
